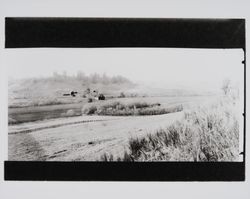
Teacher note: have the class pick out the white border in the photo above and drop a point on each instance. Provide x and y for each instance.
(115, 8)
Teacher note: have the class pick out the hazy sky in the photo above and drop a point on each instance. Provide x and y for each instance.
(166, 66)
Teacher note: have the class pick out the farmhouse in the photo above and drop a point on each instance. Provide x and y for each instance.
(101, 97)
(72, 93)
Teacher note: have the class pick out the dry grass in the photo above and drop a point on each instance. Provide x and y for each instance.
(205, 134)
(35, 113)
(117, 108)
(41, 101)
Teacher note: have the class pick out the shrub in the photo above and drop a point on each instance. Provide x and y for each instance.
(122, 95)
(70, 112)
(105, 157)
(89, 110)
(117, 108)
(90, 100)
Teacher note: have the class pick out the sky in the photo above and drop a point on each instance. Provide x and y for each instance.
(169, 67)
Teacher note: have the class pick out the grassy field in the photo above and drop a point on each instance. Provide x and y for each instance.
(82, 138)
(135, 122)
(31, 114)
(102, 137)
(206, 133)
(36, 113)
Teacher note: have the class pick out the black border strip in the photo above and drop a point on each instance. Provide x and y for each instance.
(244, 114)
(125, 171)
(113, 32)
(124, 32)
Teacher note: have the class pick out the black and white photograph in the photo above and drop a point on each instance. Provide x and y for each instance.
(137, 96)
(125, 104)
(127, 99)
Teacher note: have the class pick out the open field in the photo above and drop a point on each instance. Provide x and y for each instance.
(36, 113)
(205, 133)
(86, 137)
(30, 114)
(81, 141)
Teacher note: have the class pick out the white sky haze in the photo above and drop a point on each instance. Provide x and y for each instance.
(166, 66)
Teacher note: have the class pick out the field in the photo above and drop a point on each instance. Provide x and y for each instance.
(205, 133)
(63, 137)
(35, 113)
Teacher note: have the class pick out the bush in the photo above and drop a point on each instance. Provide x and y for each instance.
(90, 100)
(69, 113)
(107, 158)
(89, 110)
(117, 108)
(160, 111)
(122, 95)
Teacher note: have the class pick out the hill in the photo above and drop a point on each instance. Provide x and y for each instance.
(30, 91)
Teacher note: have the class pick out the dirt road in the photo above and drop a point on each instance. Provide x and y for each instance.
(80, 138)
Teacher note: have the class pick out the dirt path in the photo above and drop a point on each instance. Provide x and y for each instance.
(77, 139)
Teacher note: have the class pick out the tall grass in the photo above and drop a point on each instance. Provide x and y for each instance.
(205, 134)
(42, 101)
(117, 108)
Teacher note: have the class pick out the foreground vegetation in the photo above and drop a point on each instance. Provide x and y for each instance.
(117, 108)
(205, 134)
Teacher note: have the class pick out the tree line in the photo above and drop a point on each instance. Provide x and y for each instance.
(93, 78)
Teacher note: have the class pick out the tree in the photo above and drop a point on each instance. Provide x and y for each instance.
(56, 76)
(80, 75)
(105, 79)
(122, 95)
(65, 74)
(226, 86)
(95, 78)
(87, 91)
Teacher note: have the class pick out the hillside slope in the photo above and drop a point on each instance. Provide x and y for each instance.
(37, 90)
